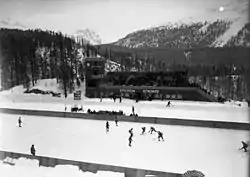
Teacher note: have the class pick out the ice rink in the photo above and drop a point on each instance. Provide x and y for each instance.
(215, 152)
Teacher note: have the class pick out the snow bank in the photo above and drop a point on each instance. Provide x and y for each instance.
(15, 90)
(47, 85)
(30, 168)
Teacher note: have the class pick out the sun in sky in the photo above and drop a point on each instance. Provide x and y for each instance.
(221, 9)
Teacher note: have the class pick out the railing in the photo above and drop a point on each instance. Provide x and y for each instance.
(85, 166)
(155, 120)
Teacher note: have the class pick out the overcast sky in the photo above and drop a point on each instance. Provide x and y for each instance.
(112, 19)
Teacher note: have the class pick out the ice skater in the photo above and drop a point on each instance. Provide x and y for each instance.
(130, 140)
(116, 121)
(169, 104)
(131, 132)
(33, 150)
(152, 129)
(160, 136)
(19, 122)
(107, 127)
(244, 146)
(143, 130)
(133, 110)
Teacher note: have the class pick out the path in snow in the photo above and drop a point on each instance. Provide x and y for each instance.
(180, 109)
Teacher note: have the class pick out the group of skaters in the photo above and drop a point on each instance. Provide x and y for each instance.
(130, 139)
(151, 131)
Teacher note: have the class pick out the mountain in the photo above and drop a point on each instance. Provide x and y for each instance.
(88, 36)
(217, 33)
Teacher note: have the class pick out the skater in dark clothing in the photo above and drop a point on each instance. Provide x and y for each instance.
(143, 130)
(114, 98)
(120, 99)
(152, 129)
(33, 150)
(131, 131)
(160, 136)
(133, 110)
(130, 140)
(107, 127)
(116, 121)
(169, 104)
(19, 122)
(245, 146)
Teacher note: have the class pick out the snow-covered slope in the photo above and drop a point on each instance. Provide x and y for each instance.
(182, 34)
(88, 36)
(47, 85)
(233, 30)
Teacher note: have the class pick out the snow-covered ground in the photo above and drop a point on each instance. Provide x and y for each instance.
(212, 151)
(15, 98)
(30, 168)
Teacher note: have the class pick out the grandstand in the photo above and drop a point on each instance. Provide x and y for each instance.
(169, 85)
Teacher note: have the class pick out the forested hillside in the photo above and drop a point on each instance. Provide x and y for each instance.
(219, 33)
(27, 56)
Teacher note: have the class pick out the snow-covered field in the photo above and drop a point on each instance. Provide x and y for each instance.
(30, 168)
(212, 151)
(15, 98)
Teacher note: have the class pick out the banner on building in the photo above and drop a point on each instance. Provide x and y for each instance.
(78, 95)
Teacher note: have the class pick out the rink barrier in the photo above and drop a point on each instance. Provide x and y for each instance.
(7, 157)
(163, 121)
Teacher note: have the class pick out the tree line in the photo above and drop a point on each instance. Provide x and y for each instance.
(145, 62)
(30, 55)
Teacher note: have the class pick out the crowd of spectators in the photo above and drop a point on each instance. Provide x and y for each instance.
(103, 112)
(219, 98)
(146, 79)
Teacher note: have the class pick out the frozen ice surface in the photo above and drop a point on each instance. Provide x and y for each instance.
(212, 151)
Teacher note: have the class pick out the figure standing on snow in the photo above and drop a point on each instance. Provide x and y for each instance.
(107, 127)
(244, 146)
(143, 130)
(116, 121)
(160, 136)
(152, 129)
(19, 122)
(133, 110)
(33, 150)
